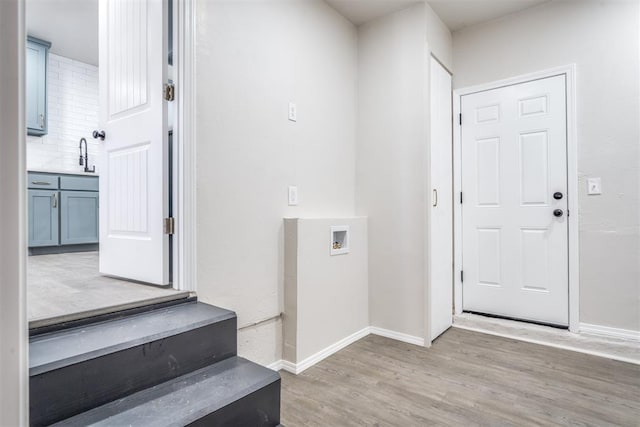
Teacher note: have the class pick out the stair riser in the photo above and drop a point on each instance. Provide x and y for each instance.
(259, 409)
(68, 391)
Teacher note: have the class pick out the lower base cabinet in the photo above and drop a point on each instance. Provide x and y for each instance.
(65, 213)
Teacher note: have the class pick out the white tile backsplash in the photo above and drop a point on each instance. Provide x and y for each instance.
(73, 113)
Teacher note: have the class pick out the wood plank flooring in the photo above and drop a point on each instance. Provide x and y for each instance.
(466, 378)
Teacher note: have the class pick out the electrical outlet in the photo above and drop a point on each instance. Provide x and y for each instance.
(594, 186)
(293, 196)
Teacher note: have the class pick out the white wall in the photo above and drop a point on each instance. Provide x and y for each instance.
(602, 39)
(73, 104)
(252, 59)
(391, 166)
(13, 313)
(326, 297)
(439, 38)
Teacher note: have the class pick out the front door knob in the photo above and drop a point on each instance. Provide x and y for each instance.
(558, 213)
(557, 195)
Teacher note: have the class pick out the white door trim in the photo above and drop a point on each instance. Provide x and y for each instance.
(572, 182)
(14, 348)
(185, 212)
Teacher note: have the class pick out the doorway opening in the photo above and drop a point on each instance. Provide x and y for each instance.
(515, 223)
(72, 196)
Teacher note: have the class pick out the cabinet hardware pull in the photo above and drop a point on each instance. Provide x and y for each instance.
(435, 197)
(40, 183)
(55, 200)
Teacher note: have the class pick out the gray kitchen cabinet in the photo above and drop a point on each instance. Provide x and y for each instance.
(78, 217)
(36, 86)
(43, 217)
(63, 211)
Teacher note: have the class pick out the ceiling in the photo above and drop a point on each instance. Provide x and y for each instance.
(70, 25)
(361, 11)
(456, 14)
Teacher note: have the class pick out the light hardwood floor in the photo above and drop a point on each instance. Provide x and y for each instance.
(466, 378)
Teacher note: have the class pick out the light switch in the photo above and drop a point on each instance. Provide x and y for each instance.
(594, 186)
(293, 112)
(293, 196)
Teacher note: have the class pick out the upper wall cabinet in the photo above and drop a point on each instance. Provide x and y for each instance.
(36, 64)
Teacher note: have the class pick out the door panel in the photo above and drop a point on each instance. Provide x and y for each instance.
(441, 230)
(133, 181)
(514, 250)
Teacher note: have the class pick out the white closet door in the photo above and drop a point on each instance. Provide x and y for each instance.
(441, 235)
(514, 211)
(133, 181)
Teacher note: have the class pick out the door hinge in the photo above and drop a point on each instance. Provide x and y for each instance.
(169, 91)
(461, 275)
(169, 225)
(460, 118)
(461, 197)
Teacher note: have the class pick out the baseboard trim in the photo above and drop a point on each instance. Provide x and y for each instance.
(550, 344)
(276, 366)
(297, 368)
(608, 331)
(398, 336)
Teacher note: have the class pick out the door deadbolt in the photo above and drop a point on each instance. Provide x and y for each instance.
(557, 195)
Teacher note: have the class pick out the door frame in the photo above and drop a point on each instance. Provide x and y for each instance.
(569, 71)
(14, 329)
(184, 36)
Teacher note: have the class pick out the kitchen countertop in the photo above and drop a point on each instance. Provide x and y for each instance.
(63, 172)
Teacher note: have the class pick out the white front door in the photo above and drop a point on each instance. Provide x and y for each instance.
(514, 206)
(133, 181)
(441, 230)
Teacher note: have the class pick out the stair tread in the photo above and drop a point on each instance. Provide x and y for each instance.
(182, 400)
(63, 348)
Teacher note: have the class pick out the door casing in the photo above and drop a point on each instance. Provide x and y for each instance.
(569, 71)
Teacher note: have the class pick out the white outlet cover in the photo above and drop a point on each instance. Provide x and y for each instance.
(594, 186)
(293, 196)
(293, 112)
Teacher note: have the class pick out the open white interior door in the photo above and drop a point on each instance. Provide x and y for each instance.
(441, 231)
(133, 114)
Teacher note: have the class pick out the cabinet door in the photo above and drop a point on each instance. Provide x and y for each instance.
(36, 90)
(78, 217)
(43, 218)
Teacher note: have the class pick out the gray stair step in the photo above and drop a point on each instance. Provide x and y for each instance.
(77, 369)
(233, 392)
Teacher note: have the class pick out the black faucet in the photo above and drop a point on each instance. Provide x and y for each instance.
(85, 160)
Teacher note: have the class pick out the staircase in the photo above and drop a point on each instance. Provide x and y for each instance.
(172, 365)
